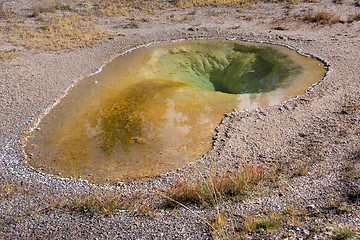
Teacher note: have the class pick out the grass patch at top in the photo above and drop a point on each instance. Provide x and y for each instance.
(66, 32)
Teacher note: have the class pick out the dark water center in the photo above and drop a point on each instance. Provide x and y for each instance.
(155, 109)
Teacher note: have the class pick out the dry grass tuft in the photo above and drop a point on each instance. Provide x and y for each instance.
(322, 18)
(214, 189)
(58, 33)
(109, 203)
(217, 223)
(7, 55)
(345, 233)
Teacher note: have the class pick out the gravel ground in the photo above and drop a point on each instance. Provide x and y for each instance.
(318, 131)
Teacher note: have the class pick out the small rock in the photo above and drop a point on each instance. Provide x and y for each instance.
(311, 207)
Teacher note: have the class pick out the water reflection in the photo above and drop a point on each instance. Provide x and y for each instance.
(156, 108)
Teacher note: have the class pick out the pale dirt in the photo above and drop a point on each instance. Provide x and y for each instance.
(319, 130)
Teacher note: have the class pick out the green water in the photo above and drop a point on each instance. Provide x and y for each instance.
(228, 68)
(155, 109)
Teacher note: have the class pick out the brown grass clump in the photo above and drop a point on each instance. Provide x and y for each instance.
(214, 189)
(322, 17)
(58, 33)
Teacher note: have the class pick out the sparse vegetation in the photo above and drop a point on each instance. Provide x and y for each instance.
(202, 3)
(5, 13)
(252, 224)
(261, 226)
(94, 203)
(218, 223)
(110, 203)
(322, 18)
(231, 228)
(345, 233)
(340, 207)
(215, 189)
(354, 18)
(6, 190)
(47, 6)
(7, 55)
(267, 224)
(301, 170)
(58, 33)
(60, 25)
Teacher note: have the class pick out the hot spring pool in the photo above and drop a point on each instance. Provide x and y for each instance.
(155, 108)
